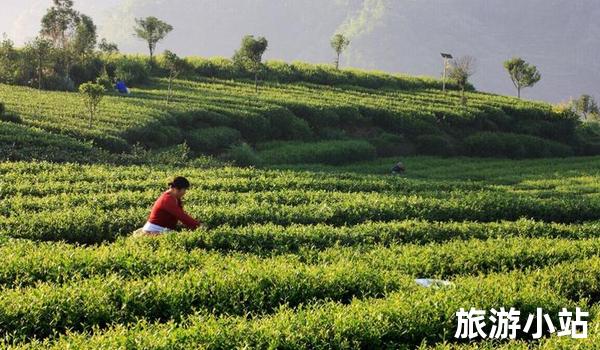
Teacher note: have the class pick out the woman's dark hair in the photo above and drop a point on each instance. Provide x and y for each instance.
(180, 183)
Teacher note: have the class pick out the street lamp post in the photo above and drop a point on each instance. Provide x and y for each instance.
(446, 57)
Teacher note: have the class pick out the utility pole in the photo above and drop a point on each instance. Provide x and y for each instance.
(446, 57)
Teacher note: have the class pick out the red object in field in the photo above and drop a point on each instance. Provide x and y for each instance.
(168, 210)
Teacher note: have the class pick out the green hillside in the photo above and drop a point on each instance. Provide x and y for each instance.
(375, 114)
(294, 254)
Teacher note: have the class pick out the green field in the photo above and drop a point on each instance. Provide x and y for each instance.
(314, 245)
(374, 114)
(312, 256)
(333, 207)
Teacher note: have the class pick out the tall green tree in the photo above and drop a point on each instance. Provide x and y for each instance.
(39, 51)
(152, 30)
(522, 73)
(175, 66)
(92, 95)
(9, 58)
(72, 34)
(107, 47)
(339, 43)
(586, 106)
(59, 23)
(461, 70)
(85, 37)
(249, 55)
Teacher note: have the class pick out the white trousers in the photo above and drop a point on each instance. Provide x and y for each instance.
(150, 227)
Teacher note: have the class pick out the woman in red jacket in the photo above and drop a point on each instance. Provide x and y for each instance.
(168, 210)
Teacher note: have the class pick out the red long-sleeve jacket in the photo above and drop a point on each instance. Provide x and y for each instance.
(167, 210)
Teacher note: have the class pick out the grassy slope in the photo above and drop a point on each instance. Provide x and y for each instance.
(141, 117)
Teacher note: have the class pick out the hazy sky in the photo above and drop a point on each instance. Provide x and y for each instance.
(562, 37)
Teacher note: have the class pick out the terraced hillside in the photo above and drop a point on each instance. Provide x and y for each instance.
(396, 117)
(294, 258)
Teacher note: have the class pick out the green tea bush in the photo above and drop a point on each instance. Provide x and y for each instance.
(328, 133)
(173, 135)
(86, 70)
(11, 118)
(281, 72)
(214, 67)
(328, 152)
(162, 69)
(254, 127)
(489, 144)
(286, 126)
(27, 262)
(292, 198)
(588, 138)
(177, 156)
(289, 239)
(389, 145)
(242, 155)
(134, 70)
(202, 119)
(312, 73)
(435, 145)
(212, 140)
(155, 135)
(351, 116)
(316, 116)
(19, 142)
(222, 286)
(111, 143)
(412, 316)
(235, 286)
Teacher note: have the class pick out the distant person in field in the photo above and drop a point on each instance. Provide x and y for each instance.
(398, 169)
(168, 210)
(121, 87)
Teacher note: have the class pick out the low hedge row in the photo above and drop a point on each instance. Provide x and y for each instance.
(328, 152)
(495, 144)
(404, 319)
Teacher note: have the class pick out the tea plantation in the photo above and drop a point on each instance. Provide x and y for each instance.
(309, 257)
(301, 114)
(318, 246)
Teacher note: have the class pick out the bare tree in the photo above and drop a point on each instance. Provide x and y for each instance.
(461, 69)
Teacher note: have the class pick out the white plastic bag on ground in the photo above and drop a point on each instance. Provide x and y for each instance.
(432, 283)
